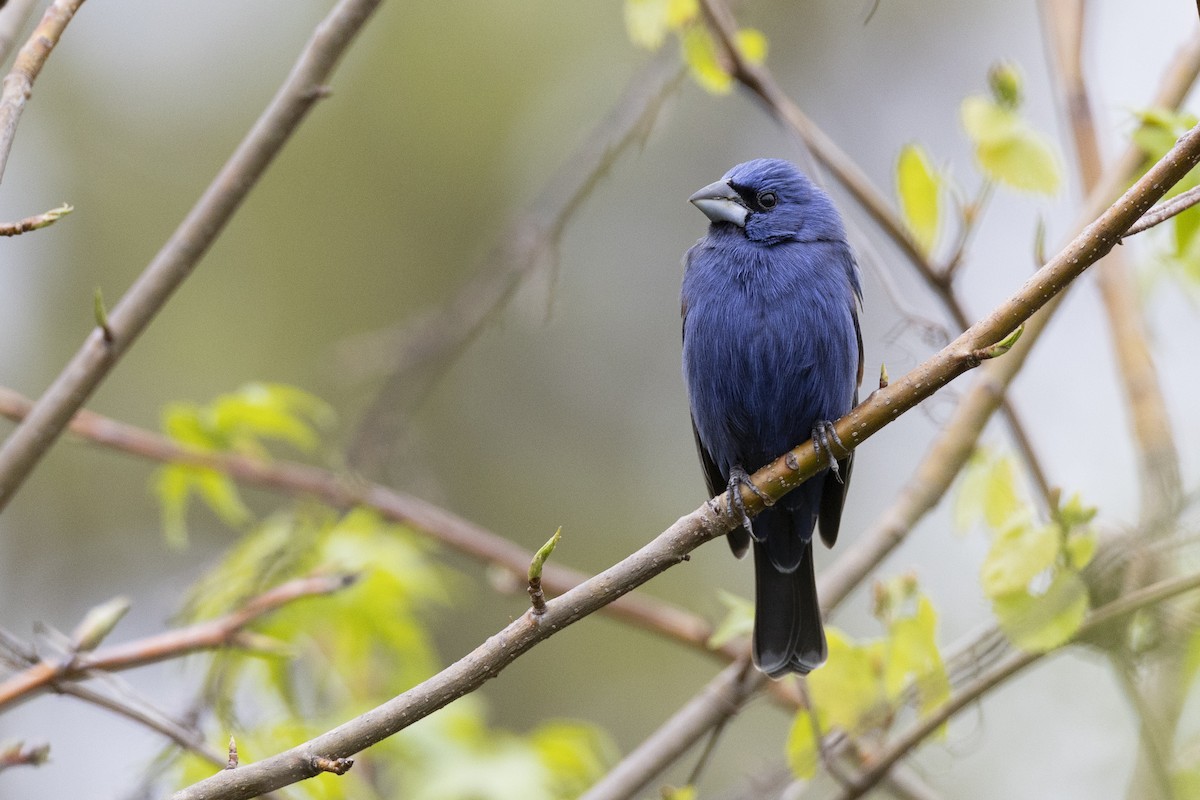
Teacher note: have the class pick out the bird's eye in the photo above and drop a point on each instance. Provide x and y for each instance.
(767, 200)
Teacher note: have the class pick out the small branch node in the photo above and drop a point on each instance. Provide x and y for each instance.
(338, 766)
(883, 376)
(101, 314)
(537, 597)
(37, 221)
(1001, 347)
(233, 754)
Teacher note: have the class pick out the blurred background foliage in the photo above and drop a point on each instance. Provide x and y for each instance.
(445, 122)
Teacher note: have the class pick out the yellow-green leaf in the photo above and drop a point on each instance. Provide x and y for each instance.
(1018, 554)
(1081, 547)
(912, 658)
(649, 21)
(988, 491)
(1008, 149)
(849, 688)
(1046, 621)
(919, 187)
(705, 63)
(678, 793)
(802, 746)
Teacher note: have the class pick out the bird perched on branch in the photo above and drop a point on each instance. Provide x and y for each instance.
(771, 353)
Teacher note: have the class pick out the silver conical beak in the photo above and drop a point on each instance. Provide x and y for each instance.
(720, 203)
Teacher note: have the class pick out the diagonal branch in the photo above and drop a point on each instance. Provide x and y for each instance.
(46, 674)
(18, 84)
(26, 445)
(705, 523)
(759, 80)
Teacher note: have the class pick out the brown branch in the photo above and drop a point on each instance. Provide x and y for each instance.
(224, 631)
(717, 702)
(25, 447)
(19, 754)
(927, 726)
(35, 222)
(672, 546)
(1153, 438)
(1165, 211)
(950, 451)
(18, 84)
(341, 492)
(759, 80)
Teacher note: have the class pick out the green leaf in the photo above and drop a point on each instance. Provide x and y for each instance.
(1074, 512)
(738, 622)
(801, 748)
(1018, 554)
(700, 53)
(1080, 547)
(849, 688)
(1008, 149)
(575, 755)
(919, 187)
(988, 492)
(175, 485)
(678, 793)
(912, 658)
(1044, 622)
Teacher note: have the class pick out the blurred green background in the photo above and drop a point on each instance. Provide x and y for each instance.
(446, 120)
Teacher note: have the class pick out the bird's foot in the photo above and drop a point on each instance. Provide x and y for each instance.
(824, 436)
(737, 479)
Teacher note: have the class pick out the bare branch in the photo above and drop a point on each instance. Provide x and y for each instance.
(35, 222)
(672, 546)
(925, 727)
(719, 700)
(26, 445)
(1165, 211)
(19, 754)
(18, 84)
(209, 635)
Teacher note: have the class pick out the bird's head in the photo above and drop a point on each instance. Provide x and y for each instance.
(770, 201)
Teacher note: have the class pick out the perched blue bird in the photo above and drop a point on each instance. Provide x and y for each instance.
(772, 352)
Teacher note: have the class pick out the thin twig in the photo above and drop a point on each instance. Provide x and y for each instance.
(926, 726)
(670, 548)
(35, 222)
(209, 635)
(759, 80)
(950, 451)
(186, 739)
(26, 445)
(1165, 211)
(18, 84)
(341, 492)
(719, 700)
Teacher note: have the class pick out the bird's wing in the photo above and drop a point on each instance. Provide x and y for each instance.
(739, 538)
(833, 493)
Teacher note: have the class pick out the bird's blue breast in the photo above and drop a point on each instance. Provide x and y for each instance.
(769, 343)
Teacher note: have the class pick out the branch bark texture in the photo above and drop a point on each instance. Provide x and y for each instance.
(26, 445)
(689, 532)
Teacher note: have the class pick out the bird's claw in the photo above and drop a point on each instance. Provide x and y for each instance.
(737, 479)
(824, 436)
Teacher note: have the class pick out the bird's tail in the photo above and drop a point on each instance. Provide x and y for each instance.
(788, 635)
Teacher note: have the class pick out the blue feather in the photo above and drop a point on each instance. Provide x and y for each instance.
(771, 348)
